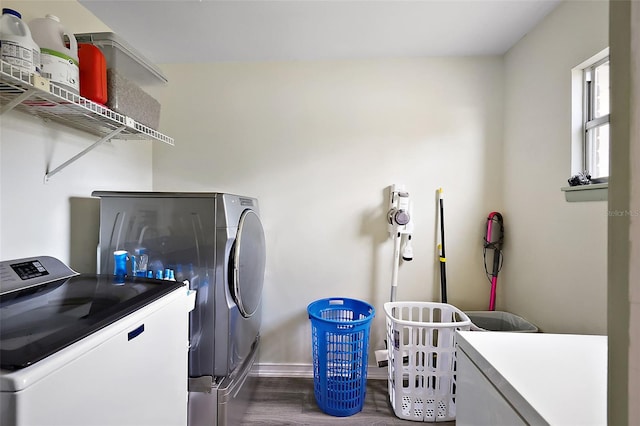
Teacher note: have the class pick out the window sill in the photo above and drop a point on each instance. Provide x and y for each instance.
(593, 192)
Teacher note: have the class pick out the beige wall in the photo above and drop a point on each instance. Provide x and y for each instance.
(555, 252)
(75, 17)
(624, 230)
(35, 217)
(318, 143)
(634, 231)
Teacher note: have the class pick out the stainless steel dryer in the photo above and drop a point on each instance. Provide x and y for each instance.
(216, 242)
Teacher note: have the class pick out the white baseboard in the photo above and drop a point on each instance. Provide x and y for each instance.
(306, 370)
(283, 370)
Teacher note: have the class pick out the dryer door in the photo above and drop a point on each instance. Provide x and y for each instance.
(248, 263)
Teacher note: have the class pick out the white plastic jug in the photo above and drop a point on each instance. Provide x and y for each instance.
(16, 44)
(59, 62)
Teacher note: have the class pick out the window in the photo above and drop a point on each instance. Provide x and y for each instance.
(595, 146)
(590, 128)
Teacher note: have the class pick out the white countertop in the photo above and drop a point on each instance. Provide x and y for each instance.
(558, 379)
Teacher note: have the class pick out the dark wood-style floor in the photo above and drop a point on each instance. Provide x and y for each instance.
(290, 401)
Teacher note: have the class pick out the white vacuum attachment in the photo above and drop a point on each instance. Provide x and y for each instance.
(407, 250)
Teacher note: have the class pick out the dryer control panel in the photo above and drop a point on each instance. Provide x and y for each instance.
(28, 272)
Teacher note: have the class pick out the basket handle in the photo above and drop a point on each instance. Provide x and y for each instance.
(476, 328)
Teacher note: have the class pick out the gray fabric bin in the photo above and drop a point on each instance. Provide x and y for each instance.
(129, 99)
(501, 321)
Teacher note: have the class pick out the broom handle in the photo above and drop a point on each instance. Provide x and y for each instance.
(443, 258)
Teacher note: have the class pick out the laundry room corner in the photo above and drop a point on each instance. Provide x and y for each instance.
(325, 142)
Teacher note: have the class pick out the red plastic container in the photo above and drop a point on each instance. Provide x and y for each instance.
(93, 73)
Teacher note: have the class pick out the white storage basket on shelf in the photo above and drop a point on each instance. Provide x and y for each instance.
(422, 359)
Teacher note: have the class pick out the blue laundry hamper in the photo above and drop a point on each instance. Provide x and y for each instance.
(340, 344)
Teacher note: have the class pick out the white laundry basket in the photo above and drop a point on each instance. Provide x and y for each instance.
(422, 359)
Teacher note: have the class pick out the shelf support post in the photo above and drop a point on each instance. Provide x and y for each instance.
(50, 174)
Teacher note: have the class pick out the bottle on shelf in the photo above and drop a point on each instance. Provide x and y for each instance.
(93, 73)
(59, 63)
(17, 46)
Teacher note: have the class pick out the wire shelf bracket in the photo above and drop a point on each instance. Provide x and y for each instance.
(81, 154)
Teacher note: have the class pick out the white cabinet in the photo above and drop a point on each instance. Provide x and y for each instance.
(482, 404)
(531, 378)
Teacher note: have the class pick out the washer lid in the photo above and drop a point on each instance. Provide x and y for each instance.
(39, 321)
(249, 257)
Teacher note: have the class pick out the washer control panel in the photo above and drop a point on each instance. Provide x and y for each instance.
(23, 273)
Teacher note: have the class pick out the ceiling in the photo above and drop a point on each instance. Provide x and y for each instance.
(189, 31)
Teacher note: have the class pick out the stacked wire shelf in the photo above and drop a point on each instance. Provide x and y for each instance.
(35, 95)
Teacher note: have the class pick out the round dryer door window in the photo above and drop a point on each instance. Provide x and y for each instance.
(249, 256)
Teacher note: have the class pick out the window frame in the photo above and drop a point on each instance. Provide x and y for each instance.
(589, 122)
(577, 100)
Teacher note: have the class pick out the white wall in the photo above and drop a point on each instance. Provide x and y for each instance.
(555, 252)
(35, 217)
(318, 143)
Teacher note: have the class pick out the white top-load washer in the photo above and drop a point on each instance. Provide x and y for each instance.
(86, 350)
